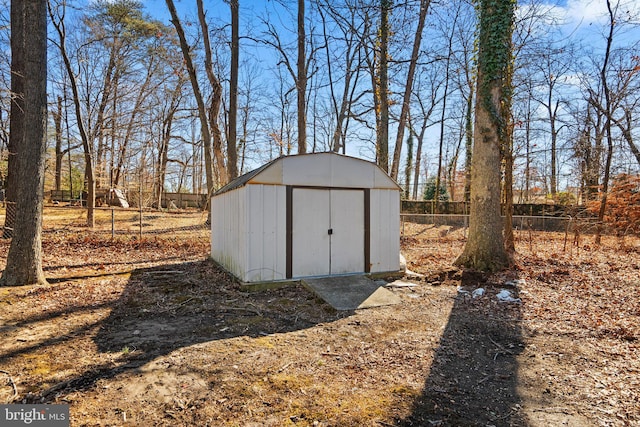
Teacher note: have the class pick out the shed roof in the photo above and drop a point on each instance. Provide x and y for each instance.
(316, 170)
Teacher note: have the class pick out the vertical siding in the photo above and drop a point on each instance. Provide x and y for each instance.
(385, 230)
(228, 225)
(311, 241)
(347, 240)
(266, 233)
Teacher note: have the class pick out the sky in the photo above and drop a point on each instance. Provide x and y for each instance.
(583, 21)
(585, 18)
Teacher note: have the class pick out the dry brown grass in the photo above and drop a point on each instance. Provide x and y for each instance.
(153, 333)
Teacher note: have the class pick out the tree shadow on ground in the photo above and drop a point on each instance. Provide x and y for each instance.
(473, 380)
(169, 307)
(164, 308)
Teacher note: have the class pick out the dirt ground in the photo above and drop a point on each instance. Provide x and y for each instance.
(151, 333)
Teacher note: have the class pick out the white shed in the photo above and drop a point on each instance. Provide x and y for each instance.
(307, 215)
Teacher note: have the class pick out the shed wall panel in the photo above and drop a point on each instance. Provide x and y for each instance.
(351, 174)
(330, 170)
(307, 171)
(266, 229)
(385, 230)
(228, 226)
(311, 221)
(347, 226)
(271, 175)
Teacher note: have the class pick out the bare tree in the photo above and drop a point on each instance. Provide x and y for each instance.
(60, 152)
(5, 83)
(57, 122)
(606, 108)
(205, 121)
(301, 81)
(552, 65)
(216, 99)
(445, 96)
(408, 169)
(381, 88)
(297, 68)
(485, 249)
(29, 136)
(232, 138)
(346, 22)
(406, 99)
(57, 13)
(119, 155)
(170, 107)
(463, 62)
(624, 84)
(426, 104)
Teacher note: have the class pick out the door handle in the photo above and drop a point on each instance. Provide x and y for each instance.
(330, 231)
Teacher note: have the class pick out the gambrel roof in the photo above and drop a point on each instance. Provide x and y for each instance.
(316, 170)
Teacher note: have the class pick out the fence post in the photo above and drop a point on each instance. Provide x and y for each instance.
(9, 220)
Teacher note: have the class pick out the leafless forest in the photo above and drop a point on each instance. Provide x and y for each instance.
(127, 110)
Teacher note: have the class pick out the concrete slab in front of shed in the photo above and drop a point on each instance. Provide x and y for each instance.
(351, 292)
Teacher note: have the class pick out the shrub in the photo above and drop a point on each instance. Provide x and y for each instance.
(623, 205)
(565, 198)
(430, 189)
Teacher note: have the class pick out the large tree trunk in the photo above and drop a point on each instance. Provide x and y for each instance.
(301, 81)
(16, 125)
(382, 134)
(24, 259)
(485, 248)
(232, 138)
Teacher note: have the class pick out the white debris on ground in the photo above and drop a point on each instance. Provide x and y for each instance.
(401, 284)
(478, 293)
(506, 296)
(413, 274)
(407, 272)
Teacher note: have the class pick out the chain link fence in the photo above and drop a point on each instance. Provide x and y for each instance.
(113, 222)
(520, 222)
(179, 224)
(9, 219)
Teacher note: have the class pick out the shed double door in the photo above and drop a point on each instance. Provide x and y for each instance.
(328, 230)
